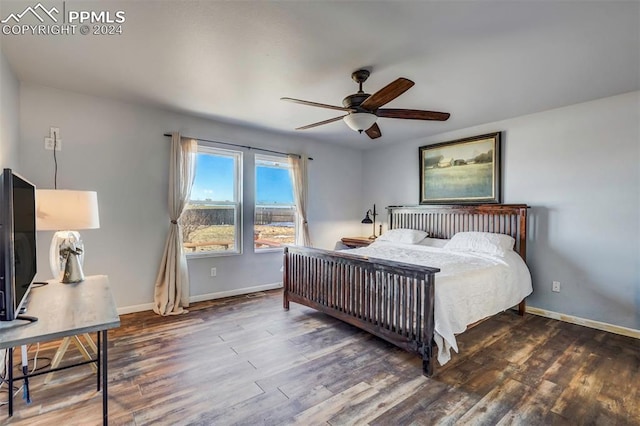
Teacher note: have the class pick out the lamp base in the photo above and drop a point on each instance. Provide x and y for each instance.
(72, 269)
(66, 246)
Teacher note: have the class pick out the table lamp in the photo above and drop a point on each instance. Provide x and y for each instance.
(66, 211)
(367, 219)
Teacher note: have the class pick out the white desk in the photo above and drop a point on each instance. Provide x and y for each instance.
(65, 310)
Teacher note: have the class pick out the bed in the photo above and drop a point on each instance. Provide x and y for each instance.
(383, 289)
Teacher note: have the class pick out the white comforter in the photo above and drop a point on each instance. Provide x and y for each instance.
(469, 286)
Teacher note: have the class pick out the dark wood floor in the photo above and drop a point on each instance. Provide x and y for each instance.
(246, 361)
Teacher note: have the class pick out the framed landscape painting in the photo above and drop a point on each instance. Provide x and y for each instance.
(463, 171)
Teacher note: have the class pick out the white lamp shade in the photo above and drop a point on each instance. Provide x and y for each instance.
(60, 209)
(360, 121)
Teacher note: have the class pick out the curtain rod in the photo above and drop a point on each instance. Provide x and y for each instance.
(240, 146)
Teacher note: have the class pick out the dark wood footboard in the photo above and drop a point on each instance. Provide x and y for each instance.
(394, 301)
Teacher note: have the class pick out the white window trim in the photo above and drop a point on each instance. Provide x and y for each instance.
(239, 183)
(283, 164)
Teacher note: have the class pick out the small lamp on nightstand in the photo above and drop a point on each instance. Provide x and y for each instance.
(367, 219)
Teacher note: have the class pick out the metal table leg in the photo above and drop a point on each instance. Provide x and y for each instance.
(98, 376)
(10, 382)
(105, 394)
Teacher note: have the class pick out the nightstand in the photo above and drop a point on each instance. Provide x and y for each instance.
(355, 242)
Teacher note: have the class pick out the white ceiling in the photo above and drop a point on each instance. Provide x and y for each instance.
(482, 61)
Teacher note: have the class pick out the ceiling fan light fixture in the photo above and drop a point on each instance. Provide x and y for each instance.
(360, 121)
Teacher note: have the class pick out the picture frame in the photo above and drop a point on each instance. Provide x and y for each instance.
(462, 171)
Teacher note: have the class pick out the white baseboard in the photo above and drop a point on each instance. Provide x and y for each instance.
(202, 297)
(616, 329)
(135, 308)
(238, 292)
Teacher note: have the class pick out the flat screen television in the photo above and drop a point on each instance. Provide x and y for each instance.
(17, 242)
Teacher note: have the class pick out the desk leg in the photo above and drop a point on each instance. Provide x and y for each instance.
(10, 382)
(99, 359)
(105, 395)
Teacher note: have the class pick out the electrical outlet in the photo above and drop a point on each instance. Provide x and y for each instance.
(214, 272)
(54, 132)
(556, 287)
(49, 143)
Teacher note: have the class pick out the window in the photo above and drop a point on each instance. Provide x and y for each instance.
(211, 223)
(275, 210)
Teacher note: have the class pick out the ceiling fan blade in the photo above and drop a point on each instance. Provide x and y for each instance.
(387, 94)
(374, 131)
(320, 123)
(412, 114)
(316, 104)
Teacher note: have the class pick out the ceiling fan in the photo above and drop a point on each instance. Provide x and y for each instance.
(364, 109)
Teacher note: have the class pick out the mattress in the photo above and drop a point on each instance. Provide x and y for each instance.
(469, 287)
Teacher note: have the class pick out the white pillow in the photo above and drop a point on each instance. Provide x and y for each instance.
(481, 242)
(405, 236)
(434, 242)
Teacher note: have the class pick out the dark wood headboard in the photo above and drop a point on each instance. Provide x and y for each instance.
(443, 221)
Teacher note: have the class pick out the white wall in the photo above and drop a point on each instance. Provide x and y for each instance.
(119, 150)
(9, 124)
(579, 169)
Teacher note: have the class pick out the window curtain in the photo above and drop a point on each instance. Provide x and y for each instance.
(299, 177)
(172, 283)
